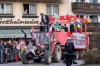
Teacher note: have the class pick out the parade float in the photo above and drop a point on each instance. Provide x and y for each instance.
(50, 45)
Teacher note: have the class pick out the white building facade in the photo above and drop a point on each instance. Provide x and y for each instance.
(12, 13)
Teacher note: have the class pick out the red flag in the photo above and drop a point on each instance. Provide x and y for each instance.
(32, 31)
(50, 29)
(49, 34)
(21, 42)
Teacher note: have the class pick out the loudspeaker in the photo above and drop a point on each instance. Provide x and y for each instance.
(71, 28)
(41, 28)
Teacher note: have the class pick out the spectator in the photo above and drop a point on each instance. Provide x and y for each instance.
(26, 11)
(5, 51)
(65, 28)
(15, 44)
(1, 46)
(9, 45)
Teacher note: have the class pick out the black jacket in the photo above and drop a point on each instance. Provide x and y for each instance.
(47, 19)
(10, 46)
(66, 29)
(67, 47)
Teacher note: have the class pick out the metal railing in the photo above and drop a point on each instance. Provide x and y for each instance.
(10, 57)
(85, 7)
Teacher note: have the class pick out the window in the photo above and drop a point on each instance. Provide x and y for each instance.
(94, 18)
(51, 9)
(80, 16)
(80, 0)
(29, 9)
(6, 8)
(94, 1)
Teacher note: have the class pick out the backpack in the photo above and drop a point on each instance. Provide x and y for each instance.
(69, 47)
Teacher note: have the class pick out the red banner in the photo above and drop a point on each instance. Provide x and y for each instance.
(62, 37)
(52, 19)
(80, 40)
(67, 19)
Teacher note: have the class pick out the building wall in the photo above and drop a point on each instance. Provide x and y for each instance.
(18, 13)
(41, 7)
(64, 8)
(85, 14)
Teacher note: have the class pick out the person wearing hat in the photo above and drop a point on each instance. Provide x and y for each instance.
(45, 20)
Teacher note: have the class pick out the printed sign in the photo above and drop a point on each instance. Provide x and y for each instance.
(80, 40)
(41, 37)
(19, 21)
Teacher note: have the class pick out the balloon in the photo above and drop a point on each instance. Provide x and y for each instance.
(59, 26)
(78, 26)
(74, 27)
(80, 22)
(85, 21)
(77, 20)
(89, 21)
(55, 25)
(76, 23)
(72, 19)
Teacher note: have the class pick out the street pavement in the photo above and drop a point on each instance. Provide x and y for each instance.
(31, 63)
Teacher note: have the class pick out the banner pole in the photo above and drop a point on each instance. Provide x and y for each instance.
(85, 28)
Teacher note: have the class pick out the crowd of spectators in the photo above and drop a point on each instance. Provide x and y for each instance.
(5, 45)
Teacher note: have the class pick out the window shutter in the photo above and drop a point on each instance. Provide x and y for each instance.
(96, 1)
(8, 8)
(49, 10)
(32, 9)
(77, 0)
(55, 9)
(1, 8)
(91, 1)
